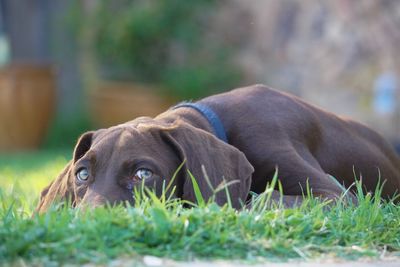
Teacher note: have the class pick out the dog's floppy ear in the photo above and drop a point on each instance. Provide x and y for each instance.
(207, 157)
(83, 145)
(63, 187)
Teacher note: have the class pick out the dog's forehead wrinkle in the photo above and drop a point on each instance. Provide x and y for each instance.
(114, 133)
(91, 156)
(103, 148)
(125, 138)
(104, 135)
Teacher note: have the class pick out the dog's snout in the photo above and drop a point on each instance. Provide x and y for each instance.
(92, 199)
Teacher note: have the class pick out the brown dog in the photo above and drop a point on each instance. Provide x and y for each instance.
(239, 137)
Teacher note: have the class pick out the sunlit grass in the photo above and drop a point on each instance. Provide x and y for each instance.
(22, 176)
(163, 227)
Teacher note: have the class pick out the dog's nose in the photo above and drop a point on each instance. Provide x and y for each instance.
(92, 200)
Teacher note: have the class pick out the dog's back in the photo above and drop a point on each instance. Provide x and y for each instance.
(263, 122)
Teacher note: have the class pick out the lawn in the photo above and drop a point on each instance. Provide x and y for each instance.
(162, 227)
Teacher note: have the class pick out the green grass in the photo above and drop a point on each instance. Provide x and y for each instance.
(162, 227)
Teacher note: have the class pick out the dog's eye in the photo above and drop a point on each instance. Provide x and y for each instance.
(142, 174)
(82, 175)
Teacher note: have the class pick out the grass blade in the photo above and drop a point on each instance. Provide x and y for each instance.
(197, 192)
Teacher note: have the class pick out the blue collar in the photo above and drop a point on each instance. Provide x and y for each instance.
(210, 115)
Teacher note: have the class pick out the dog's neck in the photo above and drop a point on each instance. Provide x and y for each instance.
(188, 115)
(209, 114)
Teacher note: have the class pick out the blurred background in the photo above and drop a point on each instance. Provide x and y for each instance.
(70, 66)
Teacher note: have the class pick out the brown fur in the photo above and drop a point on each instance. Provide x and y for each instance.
(265, 128)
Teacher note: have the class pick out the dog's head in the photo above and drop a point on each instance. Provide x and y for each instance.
(108, 164)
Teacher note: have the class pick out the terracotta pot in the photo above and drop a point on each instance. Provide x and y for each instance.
(27, 99)
(113, 103)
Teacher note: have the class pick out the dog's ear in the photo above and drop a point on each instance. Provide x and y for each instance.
(63, 187)
(59, 189)
(213, 163)
(83, 145)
